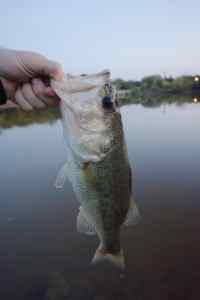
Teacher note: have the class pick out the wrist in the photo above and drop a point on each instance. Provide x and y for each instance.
(9, 87)
(3, 96)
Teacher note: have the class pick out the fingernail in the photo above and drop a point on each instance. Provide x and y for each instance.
(58, 75)
(57, 72)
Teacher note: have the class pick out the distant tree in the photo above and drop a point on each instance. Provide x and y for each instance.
(119, 83)
(169, 79)
(153, 81)
(182, 83)
(125, 84)
(156, 84)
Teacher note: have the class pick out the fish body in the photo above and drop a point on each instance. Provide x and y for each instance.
(97, 164)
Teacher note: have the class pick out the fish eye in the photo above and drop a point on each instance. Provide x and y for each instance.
(107, 102)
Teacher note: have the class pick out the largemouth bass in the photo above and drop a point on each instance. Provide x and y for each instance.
(97, 161)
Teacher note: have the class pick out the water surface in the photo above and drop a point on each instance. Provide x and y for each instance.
(40, 249)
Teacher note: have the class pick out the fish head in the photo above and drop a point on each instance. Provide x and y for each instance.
(89, 104)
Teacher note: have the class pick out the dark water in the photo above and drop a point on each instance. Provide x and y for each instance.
(41, 254)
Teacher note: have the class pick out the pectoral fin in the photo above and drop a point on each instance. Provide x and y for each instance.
(133, 215)
(83, 225)
(62, 175)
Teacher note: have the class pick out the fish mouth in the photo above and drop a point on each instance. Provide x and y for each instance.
(81, 83)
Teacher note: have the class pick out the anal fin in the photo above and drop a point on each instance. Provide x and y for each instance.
(133, 215)
(83, 225)
(62, 175)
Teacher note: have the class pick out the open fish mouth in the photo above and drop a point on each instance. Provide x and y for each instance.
(88, 109)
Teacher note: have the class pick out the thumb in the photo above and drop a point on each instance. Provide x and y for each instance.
(34, 64)
(53, 70)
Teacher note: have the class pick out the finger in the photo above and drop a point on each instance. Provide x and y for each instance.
(31, 98)
(46, 83)
(19, 98)
(37, 64)
(54, 70)
(12, 104)
(50, 92)
(43, 92)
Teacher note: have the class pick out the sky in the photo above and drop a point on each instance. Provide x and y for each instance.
(131, 38)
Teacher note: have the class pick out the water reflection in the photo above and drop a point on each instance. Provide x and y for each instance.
(158, 100)
(11, 118)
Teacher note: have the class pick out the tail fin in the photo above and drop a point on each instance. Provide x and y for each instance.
(116, 260)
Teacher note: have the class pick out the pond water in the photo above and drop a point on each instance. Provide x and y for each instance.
(41, 254)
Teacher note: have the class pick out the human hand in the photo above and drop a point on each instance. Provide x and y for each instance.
(25, 77)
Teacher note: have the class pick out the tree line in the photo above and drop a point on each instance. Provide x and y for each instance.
(158, 85)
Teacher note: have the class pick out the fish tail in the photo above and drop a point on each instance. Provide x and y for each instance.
(116, 259)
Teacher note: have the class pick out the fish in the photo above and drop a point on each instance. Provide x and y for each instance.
(97, 161)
